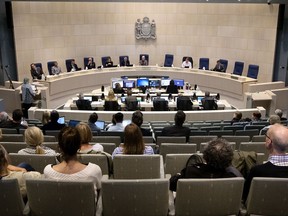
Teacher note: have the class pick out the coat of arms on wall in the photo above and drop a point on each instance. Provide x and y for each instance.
(145, 29)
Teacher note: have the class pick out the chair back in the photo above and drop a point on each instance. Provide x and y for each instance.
(111, 106)
(200, 139)
(132, 105)
(145, 197)
(13, 147)
(190, 59)
(224, 62)
(12, 138)
(170, 139)
(50, 64)
(238, 68)
(174, 163)
(104, 60)
(184, 103)
(204, 63)
(104, 161)
(253, 71)
(11, 199)
(177, 148)
(146, 57)
(107, 139)
(160, 105)
(54, 197)
(38, 65)
(206, 196)
(168, 62)
(68, 63)
(121, 59)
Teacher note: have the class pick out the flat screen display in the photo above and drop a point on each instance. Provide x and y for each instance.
(142, 82)
(61, 120)
(154, 83)
(100, 124)
(179, 82)
(165, 82)
(129, 83)
(89, 98)
(199, 99)
(118, 81)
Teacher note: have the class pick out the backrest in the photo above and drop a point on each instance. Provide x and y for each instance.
(132, 105)
(258, 138)
(204, 63)
(207, 196)
(83, 105)
(224, 62)
(253, 71)
(174, 163)
(52, 145)
(238, 68)
(111, 106)
(102, 160)
(209, 104)
(121, 58)
(184, 104)
(250, 133)
(38, 162)
(68, 63)
(108, 147)
(145, 197)
(104, 60)
(268, 196)
(170, 139)
(190, 59)
(50, 64)
(146, 57)
(13, 147)
(176, 148)
(11, 199)
(107, 139)
(52, 133)
(10, 131)
(86, 59)
(201, 139)
(258, 147)
(168, 60)
(160, 105)
(236, 139)
(114, 133)
(12, 138)
(221, 133)
(137, 166)
(48, 138)
(63, 198)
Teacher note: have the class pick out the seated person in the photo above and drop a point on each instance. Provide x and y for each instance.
(131, 101)
(186, 64)
(237, 117)
(91, 122)
(83, 104)
(177, 129)
(137, 118)
(172, 88)
(114, 102)
(133, 142)
(108, 63)
(118, 117)
(55, 70)
(219, 67)
(160, 104)
(256, 117)
(118, 89)
(53, 124)
(280, 114)
(73, 66)
(90, 64)
(184, 103)
(36, 72)
(208, 102)
(15, 122)
(143, 61)
(125, 62)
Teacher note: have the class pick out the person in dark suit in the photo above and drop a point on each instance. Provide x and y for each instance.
(137, 118)
(109, 62)
(219, 67)
(90, 64)
(177, 129)
(53, 124)
(83, 104)
(172, 88)
(184, 103)
(143, 61)
(160, 104)
(36, 72)
(208, 102)
(131, 101)
(118, 89)
(73, 66)
(125, 62)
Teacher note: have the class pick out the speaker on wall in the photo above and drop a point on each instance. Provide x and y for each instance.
(9, 14)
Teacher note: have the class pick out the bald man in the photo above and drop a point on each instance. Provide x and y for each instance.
(277, 165)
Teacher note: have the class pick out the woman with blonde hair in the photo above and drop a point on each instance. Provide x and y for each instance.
(111, 96)
(133, 142)
(34, 139)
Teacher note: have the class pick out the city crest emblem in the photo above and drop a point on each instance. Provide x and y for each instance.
(145, 29)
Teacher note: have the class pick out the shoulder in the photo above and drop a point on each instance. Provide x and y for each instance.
(148, 150)
(93, 168)
(48, 170)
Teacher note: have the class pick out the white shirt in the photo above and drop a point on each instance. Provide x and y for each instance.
(186, 64)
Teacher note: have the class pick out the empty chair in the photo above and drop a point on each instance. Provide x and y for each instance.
(10, 131)
(12, 138)
(176, 148)
(50, 64)
(160, 105)
(236, 139)
(233, 127)
(114, 133)
(208, 196)
(11, 199)
(220, 133)
(168, 62)
(49, 138)
(170, 139)
(146, 57)
(104, 60)
(137, 166)
(111, 106)
(174, 163)
(253, 71)
(258, 138)
(258, 147)
(145, 197)
(199, 125)
(201, 139)
(52, 145)
(210, 128)
(204, 63)
(268, 196)
(250, 133)
(107, 139)
(224, 62)
(250, 127)
(52, 133)
(238, 68)
(13, 147)
(189, 58)
(54, 197)
(184, 103)
(148, 139)
(198, 133)
(68, 64)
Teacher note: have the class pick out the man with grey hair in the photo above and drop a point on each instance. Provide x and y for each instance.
(277, 166)
(280, 114)
(82, 103)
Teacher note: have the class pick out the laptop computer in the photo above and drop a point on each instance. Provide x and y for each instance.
(61, 120)
(100, 124)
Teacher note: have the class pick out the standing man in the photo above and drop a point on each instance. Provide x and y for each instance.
(27, 96)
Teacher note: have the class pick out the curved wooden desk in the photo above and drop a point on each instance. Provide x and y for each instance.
(66, 85)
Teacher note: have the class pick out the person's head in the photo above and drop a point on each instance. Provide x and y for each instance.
(32, 66)
(80, 96)
(274, 119)
(129, 92)
(85, 133)
(279, 112)
(4, 161)
(218, 61)
(179, 118)
(69, 141)
(25, 80)
(133, 140)
(111, 94)
(256, 116)
(237, 115)
(34, 137)
(218, 154)
(17, 115)
(118, 86)
(73, 61)
(56, 64)
(119, 117)
(125, 58)
(54, 116)
(137, 118)
(45, 117)
(172, 82)
(93, 118)
(277, 139)
(90, 60)
(143, 58)
(4, 116)
(207, 94)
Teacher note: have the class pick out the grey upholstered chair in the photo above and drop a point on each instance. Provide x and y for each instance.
(107, 139)
(209, 196)
(13, 147)
(201, 139)
(174, 163)
(237, 139)
(257, 147)
(170, 139)
(177, 148)
(12, 138)
(54, 197)
(141, 197)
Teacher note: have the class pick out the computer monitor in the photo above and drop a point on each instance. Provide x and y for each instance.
(139, 99)
(73, 123)
(142, 82)
(199, 99)
(61, 120)
(117, 81)
(129, 83)
(100, 124)
(89, 98)
(165, 82)
(179, 82)
(154, 83)
(123, 99)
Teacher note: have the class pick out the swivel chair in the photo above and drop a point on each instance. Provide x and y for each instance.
(190, 59)
(204, 63)
(224, 62)
(50, 64)
(168, 60)
(253, 71)
(146, 57)
(238, 68)
(86, 59)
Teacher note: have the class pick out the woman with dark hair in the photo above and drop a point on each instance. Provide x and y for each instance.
(172, 88)
(133, 142)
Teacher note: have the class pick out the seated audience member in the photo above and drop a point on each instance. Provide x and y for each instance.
(28, 95)
(277, 166)
(186, 64)
(36, 72)
(111, 96)
(15, 122)
(172, 88)
(111, 102)
(160, 104)
(256, 116)
(237, 117)
(56, 70)
(109, 63)
(90, 64)
(208, 102)
(118, 117)
(280, 114)
(113, 122)
(219, 67)
(137, 118)
(184, 103)
(8, 171)
(34, 139)
(53, 124)
(73, 66)
(133, 142)
(218, 156)
(45, 117)
(125, 62)
(177, 129)
(93, 118)
(131, 101)
(86, 137)
(273, 119)
(143, 61)
(4, 117)
(83, 104)
(118, 89)
(70, 168)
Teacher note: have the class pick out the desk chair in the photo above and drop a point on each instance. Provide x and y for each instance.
(204, 63)
(238, 68)
(146, 57)
(253, 71)
(168, 62)
(190, 59)
(50, 64)
(224, 62)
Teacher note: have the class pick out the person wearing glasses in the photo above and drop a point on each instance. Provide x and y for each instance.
(276, 144)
